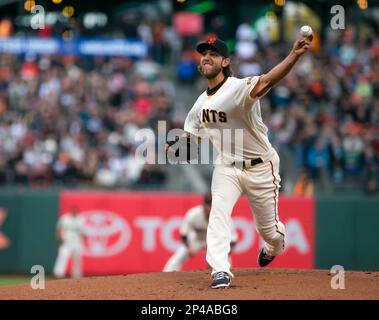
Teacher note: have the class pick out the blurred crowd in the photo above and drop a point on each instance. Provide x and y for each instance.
(70, 120)
(324, 116)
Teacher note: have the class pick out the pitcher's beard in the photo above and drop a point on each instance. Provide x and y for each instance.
(211, 74)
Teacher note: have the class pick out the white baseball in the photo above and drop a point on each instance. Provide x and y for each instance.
(306, 31)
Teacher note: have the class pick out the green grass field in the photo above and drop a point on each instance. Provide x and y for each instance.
(11, 280)
(8, 280)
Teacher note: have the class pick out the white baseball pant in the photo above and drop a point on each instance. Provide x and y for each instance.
(181, 254)
(66, 252)
(261, 185)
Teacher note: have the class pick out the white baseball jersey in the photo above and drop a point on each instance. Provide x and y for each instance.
(195, 222)
(194, 227)
(231, 107)
(72, 228)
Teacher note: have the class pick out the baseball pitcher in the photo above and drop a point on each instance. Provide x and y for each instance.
(247, 166)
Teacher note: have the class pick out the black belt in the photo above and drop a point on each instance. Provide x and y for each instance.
(248, 163)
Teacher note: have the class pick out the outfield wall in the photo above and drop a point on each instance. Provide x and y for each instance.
(29, 218)
(132, 232)
(347, 232)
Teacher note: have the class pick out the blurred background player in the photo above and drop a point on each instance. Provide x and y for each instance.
(193, 232)
(70, 231)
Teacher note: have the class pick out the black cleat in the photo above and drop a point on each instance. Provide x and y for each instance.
(220, 280)
(264, 259)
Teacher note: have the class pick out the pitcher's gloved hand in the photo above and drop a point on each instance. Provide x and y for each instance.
(185, 148)
(169, 144)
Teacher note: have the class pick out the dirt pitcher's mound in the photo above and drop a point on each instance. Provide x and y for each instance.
(194, 285)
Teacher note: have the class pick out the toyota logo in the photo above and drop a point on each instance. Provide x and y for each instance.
(106, 233)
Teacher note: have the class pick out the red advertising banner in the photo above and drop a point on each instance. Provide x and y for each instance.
(138, 232)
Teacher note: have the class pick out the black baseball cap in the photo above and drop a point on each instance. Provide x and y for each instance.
(215, 44)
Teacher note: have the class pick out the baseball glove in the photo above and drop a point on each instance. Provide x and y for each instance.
(182, 149)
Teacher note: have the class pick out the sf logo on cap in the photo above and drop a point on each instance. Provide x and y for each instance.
(212, 40)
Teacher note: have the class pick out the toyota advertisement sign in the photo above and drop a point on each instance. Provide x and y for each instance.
(137, 232)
